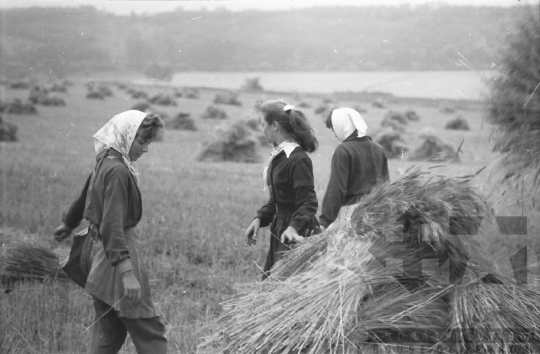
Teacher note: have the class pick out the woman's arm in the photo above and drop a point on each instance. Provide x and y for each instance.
(267, 212)
(337, 188)
(306, 203)
(74, 214)
(115, 207)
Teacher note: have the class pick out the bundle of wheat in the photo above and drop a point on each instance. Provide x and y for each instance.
(8, 131)
(411, 115)
(227, 97)
(28, 259)
(430, 147)
(234, 142)
(326, 107)
(338, 292)
(50, 100)
(213, 112)
(182, 121)
(137, 93)
(396, 116)
(163, 99)
(458, 123)
(16, 106)
(59, 87)
(94, 95)
(500, 314)
(392, 142)
(395, 120)
(105, 90)
(19, 85)
(190, 92)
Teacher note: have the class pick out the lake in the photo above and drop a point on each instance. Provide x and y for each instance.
(431, 84)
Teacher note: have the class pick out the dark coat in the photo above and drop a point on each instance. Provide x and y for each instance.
(116, 205)
(292, 202)
(358, 165)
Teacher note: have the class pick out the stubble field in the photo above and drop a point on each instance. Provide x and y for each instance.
(194, 212)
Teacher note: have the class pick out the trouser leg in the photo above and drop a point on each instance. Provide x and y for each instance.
(108, 331)
(147, 334)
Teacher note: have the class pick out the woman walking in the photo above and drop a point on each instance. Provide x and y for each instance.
(358, 165)
(291, 209)
(111, 202)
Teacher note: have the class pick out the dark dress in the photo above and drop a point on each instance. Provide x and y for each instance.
(292, 202)
(358, 165)
(113, 206)
(115, 209)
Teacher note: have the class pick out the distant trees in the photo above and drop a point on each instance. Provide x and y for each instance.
(52, 40)
(138, 52)
(361, 38)
(159, 72)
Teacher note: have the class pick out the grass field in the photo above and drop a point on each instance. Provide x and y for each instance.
(194, 212)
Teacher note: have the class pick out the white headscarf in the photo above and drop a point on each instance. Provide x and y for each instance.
(345, 121)
(119, 134)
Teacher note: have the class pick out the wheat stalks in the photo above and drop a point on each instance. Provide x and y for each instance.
(331, 294)
(29, 260)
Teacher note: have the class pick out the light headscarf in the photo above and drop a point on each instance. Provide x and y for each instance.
(119, 134)
(345, 121)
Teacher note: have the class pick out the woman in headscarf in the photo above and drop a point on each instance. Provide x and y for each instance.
(291, 209)
(358, 165)
(111, 202)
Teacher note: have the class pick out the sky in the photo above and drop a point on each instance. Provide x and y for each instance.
(141, 7)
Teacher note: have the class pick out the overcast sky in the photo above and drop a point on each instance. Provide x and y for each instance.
(126, 6)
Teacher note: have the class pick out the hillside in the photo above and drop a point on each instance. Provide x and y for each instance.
(60, 41)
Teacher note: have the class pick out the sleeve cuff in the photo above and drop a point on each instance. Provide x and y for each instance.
(264, 221)
(124, 266)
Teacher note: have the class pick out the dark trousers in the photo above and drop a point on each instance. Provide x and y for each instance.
(109, 332)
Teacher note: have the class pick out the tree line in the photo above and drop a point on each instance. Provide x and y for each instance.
(65, 40)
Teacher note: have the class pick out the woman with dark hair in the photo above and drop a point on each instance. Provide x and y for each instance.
(358, 165)
(111, 201)
(291, 209)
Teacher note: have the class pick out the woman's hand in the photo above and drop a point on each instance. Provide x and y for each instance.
(132, 288)
(252, 231)
(62, 232)
(291, 234)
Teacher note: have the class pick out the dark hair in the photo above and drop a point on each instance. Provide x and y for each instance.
(328, 120)
(293, 122)
(150, 127)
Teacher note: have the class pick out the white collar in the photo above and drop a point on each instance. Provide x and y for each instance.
(288, 147)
